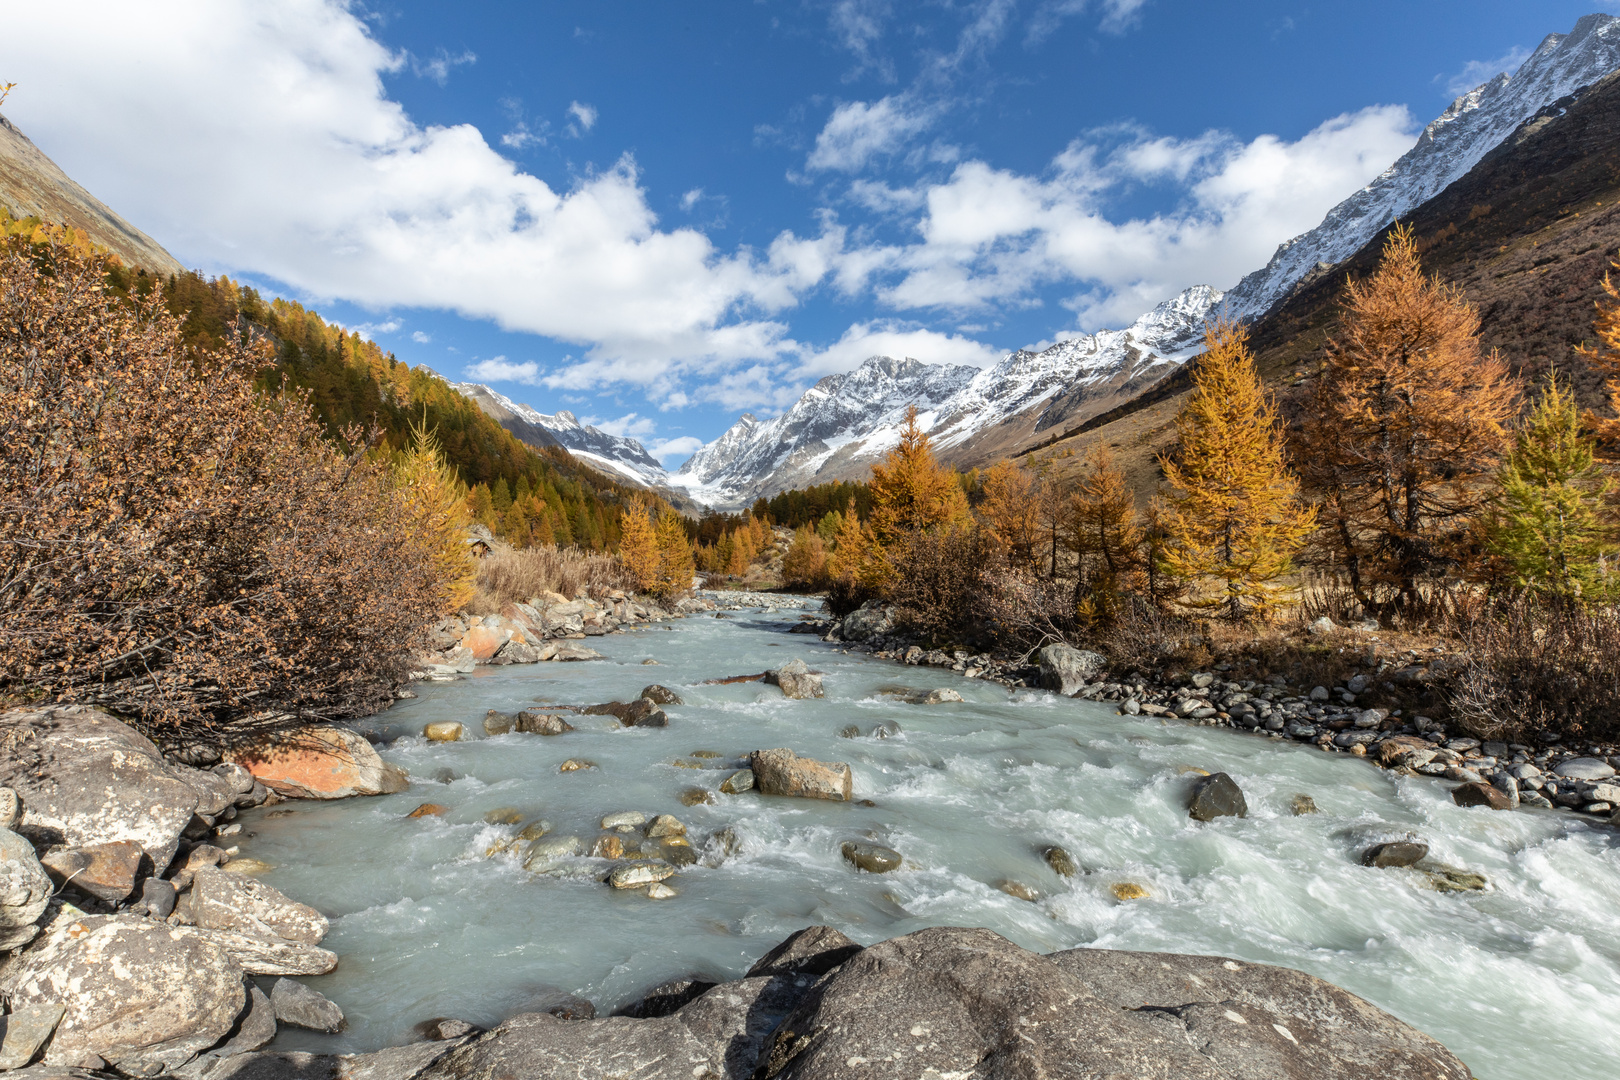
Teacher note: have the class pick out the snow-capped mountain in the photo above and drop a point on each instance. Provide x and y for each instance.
(840, 420)
(838, 428)
(1475, 124)
(616, 454)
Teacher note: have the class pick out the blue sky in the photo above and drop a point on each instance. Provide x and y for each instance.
(658, 215)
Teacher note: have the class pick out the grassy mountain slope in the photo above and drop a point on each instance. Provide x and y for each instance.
(1527, 235)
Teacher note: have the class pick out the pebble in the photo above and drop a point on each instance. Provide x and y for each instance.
(696, 796)
(1395, 853)
(1019, 890)
(608, 847)
(575, 764)
(1128, 890)
(444, 731)
(503, 815)
(634, 877)
(659, 891)
(624, 820)
(665, 825)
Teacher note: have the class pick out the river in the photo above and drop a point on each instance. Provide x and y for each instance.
(1518, 980)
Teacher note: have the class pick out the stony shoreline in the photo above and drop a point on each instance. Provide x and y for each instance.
(1337, 719)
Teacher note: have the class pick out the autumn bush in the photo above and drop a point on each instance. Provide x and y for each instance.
(174, 546)
(507, 575)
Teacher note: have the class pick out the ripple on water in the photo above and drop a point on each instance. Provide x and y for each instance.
(1521, 974)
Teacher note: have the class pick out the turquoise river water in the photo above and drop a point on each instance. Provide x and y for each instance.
(1520, 980)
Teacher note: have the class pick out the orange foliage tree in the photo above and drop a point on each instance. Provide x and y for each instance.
(1404, 428)
(1606, 355)
(172, 545)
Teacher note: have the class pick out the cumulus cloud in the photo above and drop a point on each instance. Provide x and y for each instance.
(421, 338)
(630, 425)
(683, 447)
(358, 201)
(1476, 72)
(858, 131)
(992, 237)
(371, 330)
(500, 369)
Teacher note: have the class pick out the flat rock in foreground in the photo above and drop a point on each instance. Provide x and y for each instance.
(951, 1002)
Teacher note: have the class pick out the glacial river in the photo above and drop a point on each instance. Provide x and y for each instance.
(1519, 980)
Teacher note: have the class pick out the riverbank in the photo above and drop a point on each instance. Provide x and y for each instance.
(1370, 714)
(972, 794)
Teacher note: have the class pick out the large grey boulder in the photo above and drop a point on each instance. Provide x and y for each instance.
(85, 778)
(1065, 668)
(25, 889)
(136, 992)
(796, 680)
(264, 954)
(968, 1003)
(872, 619)
(300, 1006)
(225, 901)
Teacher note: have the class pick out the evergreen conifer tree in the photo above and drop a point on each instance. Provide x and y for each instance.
(483, 507)
(1234, 512)
(1549, 525)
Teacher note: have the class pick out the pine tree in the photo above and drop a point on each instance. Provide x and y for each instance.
(436, 515)
(1606, 354)
(1011, 511)
(1406, 423)
(827, 528)
(638, 544)
(501, 496)
(1235, 514)
(515, 527)
(1549, 525)
(675, 567)
(911, 491)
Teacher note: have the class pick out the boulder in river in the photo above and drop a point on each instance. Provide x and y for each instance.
(536, 722)
(320, 763)
(498, 723)
(222, 901)
(872, 619)
(873, 858)
(266, 954)
(443, 731)
(135, 992)
(1128, 890)
(1065, 669)
(738, 782)
(796, 680)
(106, 871)
(948, 1001)
(576, 764)
(782, 772)
(1217, 795)
(1394, 853)
(1301, 805)
(25, 889)
(936, 697)
(1479, 793)
(1059, 860)
(429, 809)
(298, 1005)
(1019, 891)
(639, 875)
(1584, 768)
(661, 695)
(85, 778)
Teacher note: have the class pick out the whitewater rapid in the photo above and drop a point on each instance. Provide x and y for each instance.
(1517, 979)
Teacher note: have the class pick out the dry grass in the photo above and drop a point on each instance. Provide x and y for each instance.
(507, 575)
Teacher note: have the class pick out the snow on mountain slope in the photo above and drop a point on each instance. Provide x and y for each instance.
(615, 454)
(1452, 144)
(840, 419)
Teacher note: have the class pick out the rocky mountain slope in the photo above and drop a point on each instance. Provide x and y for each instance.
(31, 185)
(619, 456)
(1030, 400)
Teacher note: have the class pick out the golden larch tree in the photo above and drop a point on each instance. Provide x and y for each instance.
(638, 544)
(1405, 426)
(1103, 533)
(675, 565)
(851, 546)
(436, 515)
(1233, 515)
(911, 491)
(1606, 355)
(1011, 511)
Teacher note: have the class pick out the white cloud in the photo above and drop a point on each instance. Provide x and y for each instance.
(991, 236)
(358, 201)
(1476, 72)
(439, 67)
(683, 447)
(882, 338)
(420, 338)
(500, 369)
(857, 132)
(584, 119)
(369, 331)
(690, 199)
(630, 425)
(859, 26)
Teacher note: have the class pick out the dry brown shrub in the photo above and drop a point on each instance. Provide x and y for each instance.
(1532, 666)
(507, 575)
(173, 546)
(941, 578)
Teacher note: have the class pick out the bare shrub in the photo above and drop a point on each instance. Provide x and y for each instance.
(173, 546)
(940, 581)
(507, 575)
(1531, 666)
